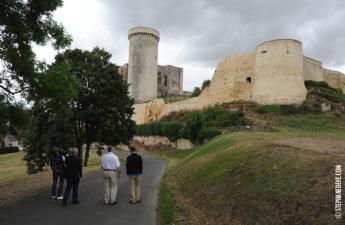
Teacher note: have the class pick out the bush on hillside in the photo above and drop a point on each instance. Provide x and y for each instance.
(169, 129)
(289, 109)
(5, 150)
(305, 108)
(262, 109)
(322, 89)
(312, 83)
(193, 125)
(332, 94)
(219, 116)
(207, 133)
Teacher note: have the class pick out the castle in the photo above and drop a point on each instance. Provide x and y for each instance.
(147, 80)
(273, 74)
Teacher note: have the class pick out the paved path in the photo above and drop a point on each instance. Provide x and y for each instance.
(40, 210)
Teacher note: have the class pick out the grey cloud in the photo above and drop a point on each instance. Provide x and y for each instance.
(216, 29)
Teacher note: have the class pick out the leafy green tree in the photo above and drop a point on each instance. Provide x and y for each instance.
(196, 92)
(51, 116)
(102, 111)
(205, 84)
(14, 118)
(22, 24)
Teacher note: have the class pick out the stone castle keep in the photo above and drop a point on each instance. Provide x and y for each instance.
(146, 78)
(273, 74)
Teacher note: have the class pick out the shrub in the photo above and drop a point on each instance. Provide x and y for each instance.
(262, 109)
(5, 150)
(194, 124)
(289, 109)
(312, 83)
(196, 92)
(304, 108)
(207, 133)
(332, 94)
(169, 129)
(219, 116)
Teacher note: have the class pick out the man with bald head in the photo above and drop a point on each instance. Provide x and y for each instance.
(72, 173)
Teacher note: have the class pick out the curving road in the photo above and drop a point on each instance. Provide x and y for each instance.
(41, 210)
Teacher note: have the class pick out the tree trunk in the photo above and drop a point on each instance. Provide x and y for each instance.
(80, 152)
(87, 153)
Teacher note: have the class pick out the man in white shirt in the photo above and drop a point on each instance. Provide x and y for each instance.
(110, 165)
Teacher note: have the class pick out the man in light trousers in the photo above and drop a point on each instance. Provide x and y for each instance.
(110, 165)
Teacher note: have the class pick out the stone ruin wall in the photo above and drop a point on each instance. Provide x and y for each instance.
(230, 82)
(233, 79)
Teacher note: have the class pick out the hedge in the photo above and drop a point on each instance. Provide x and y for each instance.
(5, 150)
(171, 130)
(207, 133)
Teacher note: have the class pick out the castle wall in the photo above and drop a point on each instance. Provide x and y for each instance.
(233, 80)
(279, 73)
(123, 71)
(273, 74)
(170, 80)
(139, 113)
(312, 69)
(142, 63)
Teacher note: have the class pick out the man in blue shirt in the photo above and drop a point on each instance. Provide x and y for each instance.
(134, 168)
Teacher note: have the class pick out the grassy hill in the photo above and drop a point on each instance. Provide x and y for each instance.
(285, 176)
(255, 178)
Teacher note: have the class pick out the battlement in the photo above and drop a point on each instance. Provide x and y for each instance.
(143, 31)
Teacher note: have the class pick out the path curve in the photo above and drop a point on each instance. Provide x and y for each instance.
(40, 210)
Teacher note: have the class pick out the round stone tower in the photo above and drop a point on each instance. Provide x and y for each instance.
(279, 72)
(142, 63)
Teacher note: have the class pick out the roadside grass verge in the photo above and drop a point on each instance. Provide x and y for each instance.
(15, 183)
(12, 166)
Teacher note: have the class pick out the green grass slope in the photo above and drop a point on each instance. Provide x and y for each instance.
(256, 178)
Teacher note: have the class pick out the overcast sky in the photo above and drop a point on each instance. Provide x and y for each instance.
(198, 34)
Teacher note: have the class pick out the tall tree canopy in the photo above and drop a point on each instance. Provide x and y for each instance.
(22, 24)
(51, 115)
(102, 111)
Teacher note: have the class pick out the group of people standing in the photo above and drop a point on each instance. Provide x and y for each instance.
(69, 167)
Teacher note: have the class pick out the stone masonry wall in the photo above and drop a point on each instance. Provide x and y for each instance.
(274, 74)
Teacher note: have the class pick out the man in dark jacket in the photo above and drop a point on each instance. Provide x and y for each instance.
(56, 164)
(134, 168)
(73, 173)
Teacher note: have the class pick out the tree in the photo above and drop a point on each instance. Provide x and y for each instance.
(196, 92)
(22, 24)
(51, 116)
(205, 84)
(14, 118)
(102, 111)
